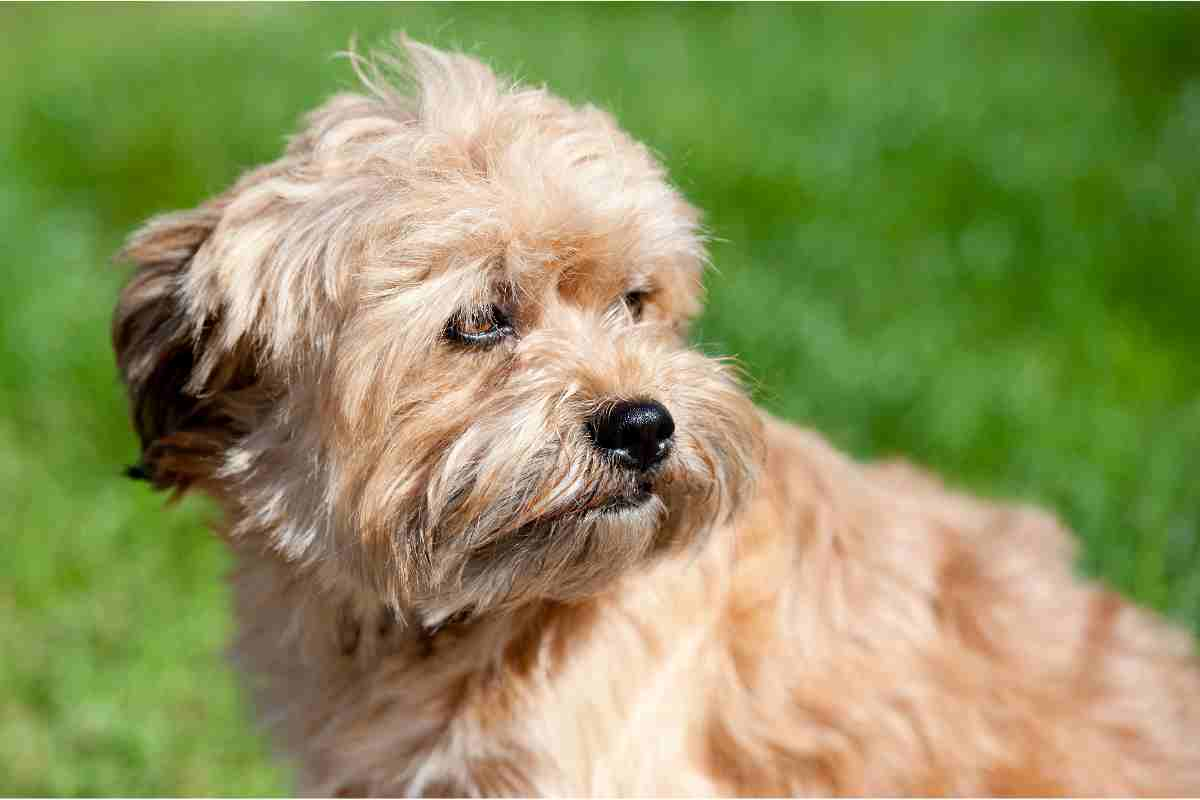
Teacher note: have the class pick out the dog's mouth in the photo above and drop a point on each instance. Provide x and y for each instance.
(605, 505)
(636, 498)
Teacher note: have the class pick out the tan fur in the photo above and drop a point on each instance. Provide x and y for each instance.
(431, 595)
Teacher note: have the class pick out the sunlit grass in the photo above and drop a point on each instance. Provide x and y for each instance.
(971, 236)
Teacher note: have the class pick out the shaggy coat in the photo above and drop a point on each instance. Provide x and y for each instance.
(381, 353)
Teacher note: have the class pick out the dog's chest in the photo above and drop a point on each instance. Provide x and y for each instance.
(601, 700)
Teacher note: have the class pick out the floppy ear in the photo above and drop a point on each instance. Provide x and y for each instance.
(188, 403)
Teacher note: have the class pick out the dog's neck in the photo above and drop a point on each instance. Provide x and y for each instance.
(354, 628)
(347, 626)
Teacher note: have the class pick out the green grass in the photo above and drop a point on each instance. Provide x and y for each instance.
(969, 235)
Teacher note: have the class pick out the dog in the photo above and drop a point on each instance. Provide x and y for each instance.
(499, 530)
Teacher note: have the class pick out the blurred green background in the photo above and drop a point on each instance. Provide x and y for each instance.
(966, 234)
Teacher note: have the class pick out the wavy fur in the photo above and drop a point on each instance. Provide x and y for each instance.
(435, 593)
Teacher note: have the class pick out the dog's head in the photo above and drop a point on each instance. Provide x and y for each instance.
(438, 348)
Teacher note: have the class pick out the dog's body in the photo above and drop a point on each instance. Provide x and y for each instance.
(499, 531)
(859, 631)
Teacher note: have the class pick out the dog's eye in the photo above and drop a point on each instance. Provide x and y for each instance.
(483, 326)
(635, 301)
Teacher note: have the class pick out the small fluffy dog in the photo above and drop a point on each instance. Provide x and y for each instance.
(498, 530)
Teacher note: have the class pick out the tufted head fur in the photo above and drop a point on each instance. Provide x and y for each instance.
(382, 352)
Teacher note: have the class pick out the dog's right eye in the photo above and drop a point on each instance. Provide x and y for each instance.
(481, 327)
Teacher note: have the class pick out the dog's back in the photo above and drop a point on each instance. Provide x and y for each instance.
(912, 640)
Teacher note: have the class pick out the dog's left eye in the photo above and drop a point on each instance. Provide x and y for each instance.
(635, 301)
(481, 327)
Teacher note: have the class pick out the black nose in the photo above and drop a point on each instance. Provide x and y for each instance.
(638, 435)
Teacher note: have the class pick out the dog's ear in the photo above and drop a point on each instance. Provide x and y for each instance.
(188, 402)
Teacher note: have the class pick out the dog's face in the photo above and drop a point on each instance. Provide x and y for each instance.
(437, 350)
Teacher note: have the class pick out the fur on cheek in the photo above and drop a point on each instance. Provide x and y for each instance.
(471, 484)
(485, 490)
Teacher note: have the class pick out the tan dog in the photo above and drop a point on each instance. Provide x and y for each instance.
(499, 530)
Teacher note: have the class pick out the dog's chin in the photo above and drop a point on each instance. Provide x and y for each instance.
(559, 557)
